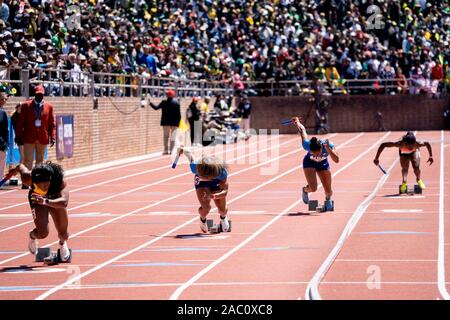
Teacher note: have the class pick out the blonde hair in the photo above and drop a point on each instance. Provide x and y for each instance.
(211, 167)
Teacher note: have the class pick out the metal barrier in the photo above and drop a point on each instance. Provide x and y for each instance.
(61, 82)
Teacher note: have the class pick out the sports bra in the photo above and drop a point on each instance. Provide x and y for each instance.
(405, 150)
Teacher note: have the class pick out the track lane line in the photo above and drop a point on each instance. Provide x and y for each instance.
(441, 244)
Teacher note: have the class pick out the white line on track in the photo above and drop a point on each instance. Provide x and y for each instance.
(198, 284)
(441, 247)
(385, 260)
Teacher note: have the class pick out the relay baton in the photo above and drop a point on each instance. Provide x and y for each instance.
(174, 164)
(286, 122)
(382, 169)
(6, 178)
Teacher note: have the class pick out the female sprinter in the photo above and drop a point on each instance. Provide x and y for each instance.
(210, 183)
(48, 195)
(408, 148)
(316, 162)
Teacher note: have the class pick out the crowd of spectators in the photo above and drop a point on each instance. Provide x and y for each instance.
(233, 41)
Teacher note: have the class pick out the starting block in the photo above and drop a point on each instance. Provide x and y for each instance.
(410, 189)
(328, 205)
(216, 227)
(48, 257)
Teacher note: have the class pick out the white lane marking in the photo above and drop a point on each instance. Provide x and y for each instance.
(406, 197)
(197, 284)
(385, 260)
(441, 247)
(402, 210)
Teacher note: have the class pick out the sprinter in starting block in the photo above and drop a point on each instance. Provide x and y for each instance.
(48, 195)
(210, 181)
(315, 163)
(408, 148)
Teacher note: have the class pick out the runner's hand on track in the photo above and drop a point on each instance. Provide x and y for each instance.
(376, 161)
(430, 160)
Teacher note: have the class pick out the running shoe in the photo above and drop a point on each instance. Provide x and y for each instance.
(32, 244)
(64, 252)
(305, 196)
(224, 223)
(329, 205)
(403, 187)
(421, 184)
(203, 226)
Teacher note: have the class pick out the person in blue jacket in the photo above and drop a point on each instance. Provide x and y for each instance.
(210, 181)
(315, 163)
(4, 131)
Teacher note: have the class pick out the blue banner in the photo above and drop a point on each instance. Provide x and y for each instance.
(13, 153)
(64, 136)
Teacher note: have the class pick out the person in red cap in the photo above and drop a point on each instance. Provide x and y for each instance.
(36, 127)
(170, 119)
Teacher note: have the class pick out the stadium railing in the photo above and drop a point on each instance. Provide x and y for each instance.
(61, 82)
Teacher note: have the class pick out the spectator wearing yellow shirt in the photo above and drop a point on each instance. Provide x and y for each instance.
(204, 106)
(333, 77)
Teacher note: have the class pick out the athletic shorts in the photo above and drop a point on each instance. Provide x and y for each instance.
(319, 166)
(414, 157)
(212, 185)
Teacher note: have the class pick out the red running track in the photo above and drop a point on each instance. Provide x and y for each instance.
(136, 236)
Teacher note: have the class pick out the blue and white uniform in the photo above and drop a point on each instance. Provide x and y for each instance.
(319, 162)
(213, 185)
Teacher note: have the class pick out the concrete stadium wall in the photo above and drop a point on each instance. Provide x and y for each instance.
(353, 113)
(106, 134)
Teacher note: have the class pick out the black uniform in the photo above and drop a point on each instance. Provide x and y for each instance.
(193, 115)
(4, 132)
(171, 113)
